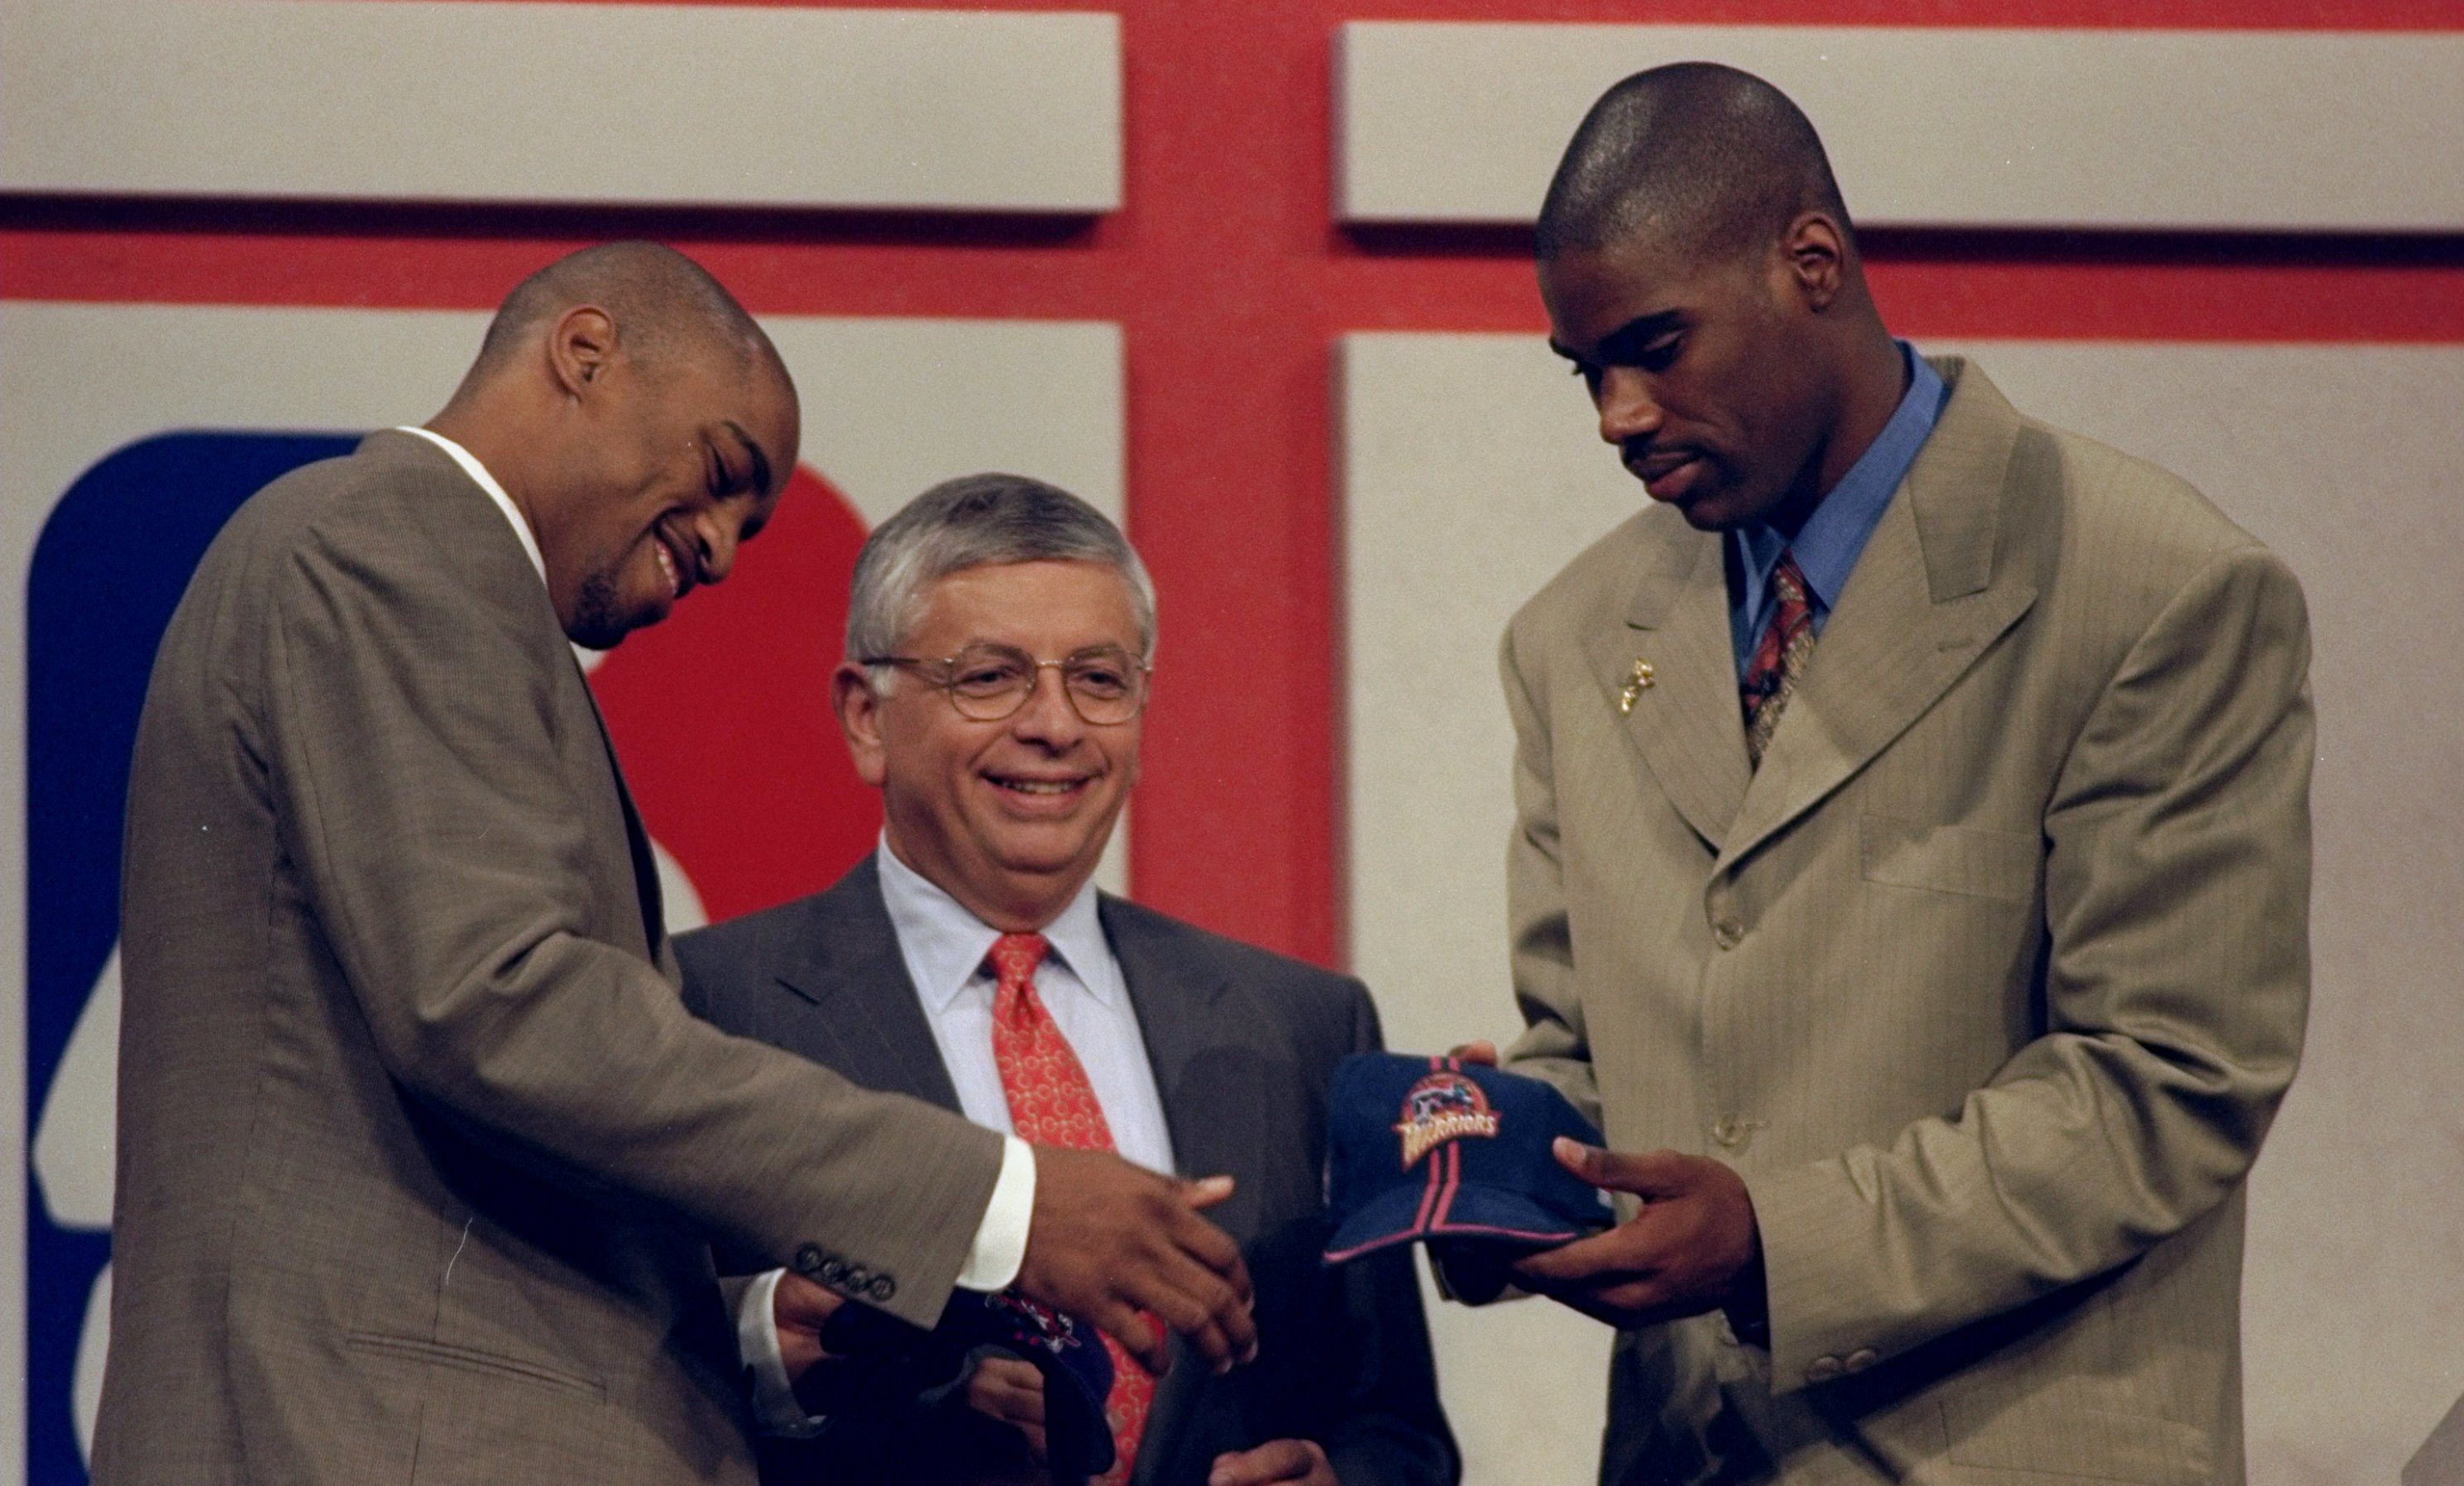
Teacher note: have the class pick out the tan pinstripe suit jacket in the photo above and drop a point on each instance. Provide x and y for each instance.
(1988, 980)
(418, 1144)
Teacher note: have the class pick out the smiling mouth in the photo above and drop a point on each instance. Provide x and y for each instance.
(672, 566)
(1036, 789)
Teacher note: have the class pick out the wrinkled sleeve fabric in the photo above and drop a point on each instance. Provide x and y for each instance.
(2175, 992)
(440, 825)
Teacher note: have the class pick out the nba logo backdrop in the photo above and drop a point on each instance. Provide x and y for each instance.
(1256, 271)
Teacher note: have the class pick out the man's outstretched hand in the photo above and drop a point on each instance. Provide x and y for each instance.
(1119, 1245)
(1693, 1248)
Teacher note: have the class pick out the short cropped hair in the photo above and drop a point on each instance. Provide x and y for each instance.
(664, 306)
(1699, 157)
(978, 521)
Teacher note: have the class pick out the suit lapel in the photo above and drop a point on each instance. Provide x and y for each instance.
(866, 1020)
(1921, 604)
(1687, 721)
(1188, 1019)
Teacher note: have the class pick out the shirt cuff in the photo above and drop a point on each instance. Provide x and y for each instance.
(1000, 1239)
(757, 1340)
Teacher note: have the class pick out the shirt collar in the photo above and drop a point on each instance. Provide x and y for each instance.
(479, 475)
(1827, 548)
(946, 943)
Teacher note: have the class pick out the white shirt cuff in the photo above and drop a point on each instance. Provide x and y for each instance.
(757, 1340)
(1000, 1239)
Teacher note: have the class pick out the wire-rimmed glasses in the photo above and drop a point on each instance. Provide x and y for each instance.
(1106, 684)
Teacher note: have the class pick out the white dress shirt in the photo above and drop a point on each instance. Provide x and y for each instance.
(479, 477)
(944, 946)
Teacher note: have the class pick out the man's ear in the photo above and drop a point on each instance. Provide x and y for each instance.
(859, 712)
(1818, 258)
(580, 348)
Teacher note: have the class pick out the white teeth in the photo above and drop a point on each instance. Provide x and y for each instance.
(666, 566)
(1039, 786)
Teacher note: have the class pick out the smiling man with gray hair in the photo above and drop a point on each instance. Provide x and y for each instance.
(1000, 634)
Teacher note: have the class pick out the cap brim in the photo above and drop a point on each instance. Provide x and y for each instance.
(1408, 1214)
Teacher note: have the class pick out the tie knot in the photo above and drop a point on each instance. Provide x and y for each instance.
(1788, 580)
(1013, 958)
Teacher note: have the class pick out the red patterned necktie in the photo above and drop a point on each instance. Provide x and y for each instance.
(1779, 658)
(1051, 1103)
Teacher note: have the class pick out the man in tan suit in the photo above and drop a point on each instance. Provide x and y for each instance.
(1912, 864)
(419, 1149)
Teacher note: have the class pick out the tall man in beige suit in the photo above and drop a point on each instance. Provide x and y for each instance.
(1912, 863)
(419, 1149)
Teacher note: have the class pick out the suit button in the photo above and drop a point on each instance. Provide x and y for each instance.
(1822, 1369)
(809, 1259)
(1729, 1130)
(834, 1272)
(882, 1287)
(1860, 1360)
(1727, 933)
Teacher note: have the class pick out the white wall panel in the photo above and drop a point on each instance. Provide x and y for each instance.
(1464, 121)
(1471, 473)
(418, 100)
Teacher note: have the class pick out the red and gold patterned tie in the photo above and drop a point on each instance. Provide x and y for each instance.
(1051, 1103)
(1779, 659)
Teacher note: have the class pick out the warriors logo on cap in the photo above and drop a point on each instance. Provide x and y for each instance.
(1443, 1107)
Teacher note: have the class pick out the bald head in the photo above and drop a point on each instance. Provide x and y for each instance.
(640, 423)
(1693, 159)
(664, 305)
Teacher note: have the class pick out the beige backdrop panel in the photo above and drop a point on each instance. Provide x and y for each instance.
(1471, 473)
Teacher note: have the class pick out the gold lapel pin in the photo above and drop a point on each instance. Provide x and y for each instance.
(1635, 685)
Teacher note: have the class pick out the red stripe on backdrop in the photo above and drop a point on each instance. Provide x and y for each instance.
(1229, 282)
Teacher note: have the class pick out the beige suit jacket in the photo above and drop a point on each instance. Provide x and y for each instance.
(419, 1148)
(1988, 980)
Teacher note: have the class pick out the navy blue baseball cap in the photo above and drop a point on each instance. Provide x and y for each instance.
(1077, 1371)
(1431, 1148)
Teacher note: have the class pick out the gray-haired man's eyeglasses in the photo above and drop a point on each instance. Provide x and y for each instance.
(1106, 684)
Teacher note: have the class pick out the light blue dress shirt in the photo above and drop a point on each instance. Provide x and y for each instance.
(1080, 983)
(1834, 536)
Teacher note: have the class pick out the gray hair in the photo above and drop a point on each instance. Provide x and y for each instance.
(977, 520)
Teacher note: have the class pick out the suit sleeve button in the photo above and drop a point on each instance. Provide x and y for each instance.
(809, 1259)
(1822, 1369)
(1860, 1360)
(882, 1288)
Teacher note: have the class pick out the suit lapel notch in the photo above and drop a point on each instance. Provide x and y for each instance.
(1923, 602)
(1682, 715)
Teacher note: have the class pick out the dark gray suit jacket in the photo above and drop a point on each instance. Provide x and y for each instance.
(1242, 1043)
